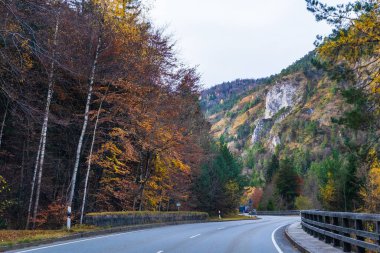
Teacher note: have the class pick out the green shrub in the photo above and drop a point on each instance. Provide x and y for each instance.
(303, 203)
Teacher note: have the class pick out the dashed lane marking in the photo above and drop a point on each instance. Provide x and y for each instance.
(191, 237)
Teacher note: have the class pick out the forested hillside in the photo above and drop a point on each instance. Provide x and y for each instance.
(309, 136)
(98, 114)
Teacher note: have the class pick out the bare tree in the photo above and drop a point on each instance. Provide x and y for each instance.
(3, 123)
(85, 122)
(45, 122)
(90, 157)
(33, 184)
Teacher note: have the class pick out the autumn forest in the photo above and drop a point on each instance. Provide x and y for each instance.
(96, 113)
(99, 114)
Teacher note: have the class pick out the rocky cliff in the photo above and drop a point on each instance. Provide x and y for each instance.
(279, 102)
(279, 97)
(304, 133)
(287, 114)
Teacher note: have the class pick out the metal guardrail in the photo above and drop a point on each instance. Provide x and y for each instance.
(350, 231)
(279, 213)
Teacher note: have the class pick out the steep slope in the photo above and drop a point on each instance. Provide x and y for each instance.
(286, 116)
(244, 111)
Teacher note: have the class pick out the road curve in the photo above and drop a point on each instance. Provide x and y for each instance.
(261, 236)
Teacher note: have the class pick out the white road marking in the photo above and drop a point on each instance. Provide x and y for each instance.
(221, 228)
(274, 241)
(84, 240)
(191, 237)
(161, 251)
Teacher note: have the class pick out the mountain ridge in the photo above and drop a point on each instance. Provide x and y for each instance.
(287, 115)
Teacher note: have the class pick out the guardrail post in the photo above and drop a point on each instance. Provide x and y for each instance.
(320, 236)
(303, 217)
(336, 223)
(346, 246)
(359, 226)
(378, 231)
(314, 218)
(306, 216)
(328, 238)
(309, 217)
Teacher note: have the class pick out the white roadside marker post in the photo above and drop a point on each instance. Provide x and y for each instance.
(68, 218)
(219, 216)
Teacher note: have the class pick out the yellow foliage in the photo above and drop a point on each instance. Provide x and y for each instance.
(359, 46)
(115, 8)
(162, 181)
(371, 191)
(118, 15)
(180, 165)
(27, 60)
(219, 125)
(232, 187)
(3, 184)
(328, 191)
(353, 42)
(303, 203)
(240, 120)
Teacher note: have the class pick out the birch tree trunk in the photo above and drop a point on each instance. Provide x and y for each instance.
(90, 158)
(45, 123)
(3, 123)
(85, 122)
(33, 183)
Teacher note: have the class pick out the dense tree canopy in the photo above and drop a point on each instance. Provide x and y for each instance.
(351, 57)
(96, 113)
(220, 184)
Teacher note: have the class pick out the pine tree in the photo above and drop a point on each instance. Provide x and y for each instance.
(287, 182)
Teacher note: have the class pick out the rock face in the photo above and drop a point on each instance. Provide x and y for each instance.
(274, 142)
(280, 96)
(262, 128)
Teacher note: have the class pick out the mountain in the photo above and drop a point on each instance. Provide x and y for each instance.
(288, 116)
(241, 111)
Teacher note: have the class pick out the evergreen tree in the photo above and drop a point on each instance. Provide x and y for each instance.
(272, 168)
(350, 184)
(287, 183)
(220, 184)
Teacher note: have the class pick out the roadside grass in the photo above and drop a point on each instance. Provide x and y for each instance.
(146, 213)
(11, 237)
(232, 217)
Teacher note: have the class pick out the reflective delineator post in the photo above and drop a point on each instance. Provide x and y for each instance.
(68, 218)
(219, 216)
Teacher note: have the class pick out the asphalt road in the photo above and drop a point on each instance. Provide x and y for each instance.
(262, 236)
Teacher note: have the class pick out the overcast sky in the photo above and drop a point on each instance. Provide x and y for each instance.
(239, 39)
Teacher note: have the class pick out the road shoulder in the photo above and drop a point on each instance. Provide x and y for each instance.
(305, 242)
(114, 230)
(282, 242)
(91, 234)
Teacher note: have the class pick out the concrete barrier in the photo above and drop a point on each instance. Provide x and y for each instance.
(280, 213)
(118, 219)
